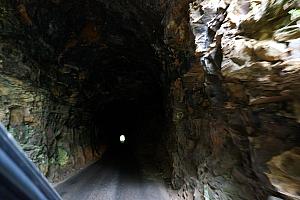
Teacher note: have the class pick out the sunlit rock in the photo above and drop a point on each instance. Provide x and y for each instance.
(270, 50)
(287, 33)
(285, 173)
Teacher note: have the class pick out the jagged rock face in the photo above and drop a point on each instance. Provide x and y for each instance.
(46, 129)
(224, 75)
(271, 82)
(236, 117)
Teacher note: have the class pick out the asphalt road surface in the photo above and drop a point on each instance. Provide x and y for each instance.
(116, 177)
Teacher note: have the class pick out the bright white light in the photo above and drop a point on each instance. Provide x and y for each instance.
(122, 138)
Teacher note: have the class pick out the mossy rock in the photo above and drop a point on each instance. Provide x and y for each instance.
(62, 156)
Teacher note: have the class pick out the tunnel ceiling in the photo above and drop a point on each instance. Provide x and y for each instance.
(105, 50)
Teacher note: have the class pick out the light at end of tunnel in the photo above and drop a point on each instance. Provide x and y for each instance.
(122, 138)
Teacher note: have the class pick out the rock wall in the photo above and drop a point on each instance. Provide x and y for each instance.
(44, 128)
(35, 106)
(234, 99)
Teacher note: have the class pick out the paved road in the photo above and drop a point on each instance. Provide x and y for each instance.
(116, 177)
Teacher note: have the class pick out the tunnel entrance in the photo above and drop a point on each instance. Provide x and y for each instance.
(100, 74)
(108, 58)
(122, 91)
(130, 169)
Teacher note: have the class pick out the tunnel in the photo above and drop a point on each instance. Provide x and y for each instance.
(122, 86)
(140, 122)
(205, 93)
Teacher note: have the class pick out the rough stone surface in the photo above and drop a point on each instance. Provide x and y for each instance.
(229, 72)
(236, 127)
(41, 126)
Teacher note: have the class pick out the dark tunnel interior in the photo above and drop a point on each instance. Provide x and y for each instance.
(129, 101)
(114, 48)
(128, 118)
